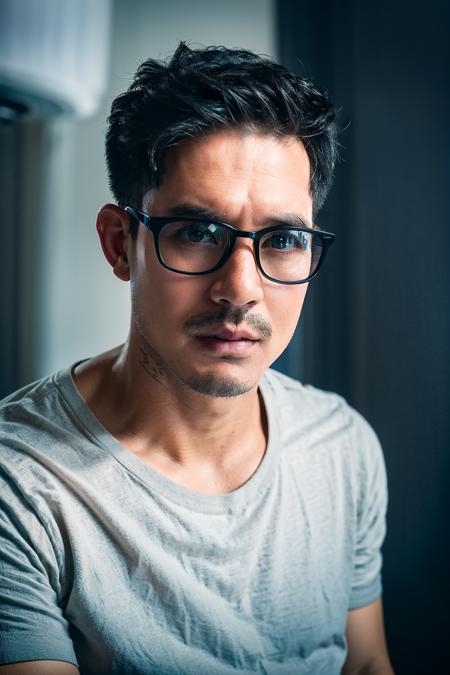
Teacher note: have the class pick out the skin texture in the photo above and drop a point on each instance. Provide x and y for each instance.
(249, 182)
(191, 411)
(367, 651)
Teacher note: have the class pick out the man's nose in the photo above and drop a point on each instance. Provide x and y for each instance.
(238, 282)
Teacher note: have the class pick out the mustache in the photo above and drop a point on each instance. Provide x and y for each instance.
(229, 315)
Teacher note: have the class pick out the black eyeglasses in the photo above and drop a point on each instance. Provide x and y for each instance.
(283, 253)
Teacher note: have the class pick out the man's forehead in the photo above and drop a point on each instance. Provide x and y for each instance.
(229, 168)
(231, 150)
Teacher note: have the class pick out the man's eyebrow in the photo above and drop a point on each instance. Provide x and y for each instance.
(191, 211)
(291, 219)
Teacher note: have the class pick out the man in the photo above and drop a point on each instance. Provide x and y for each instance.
(173, 506)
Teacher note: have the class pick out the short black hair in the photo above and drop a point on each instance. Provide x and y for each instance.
(204, 90)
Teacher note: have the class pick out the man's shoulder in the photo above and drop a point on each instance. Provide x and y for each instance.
(42, 445)
(34, 399)
(291, 393)
(320, 418)
(32, 418)
(29, 392)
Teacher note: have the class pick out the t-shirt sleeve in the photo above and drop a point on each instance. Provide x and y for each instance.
(32, 625)
(371, 515)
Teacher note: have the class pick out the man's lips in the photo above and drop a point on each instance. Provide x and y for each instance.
(226, 342)
(230, 335)
(230, 325)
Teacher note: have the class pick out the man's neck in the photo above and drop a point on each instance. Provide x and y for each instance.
(208, 444)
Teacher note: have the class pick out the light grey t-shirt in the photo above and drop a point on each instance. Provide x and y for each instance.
(109, 565)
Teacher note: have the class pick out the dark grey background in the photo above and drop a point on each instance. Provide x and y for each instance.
(376, 325)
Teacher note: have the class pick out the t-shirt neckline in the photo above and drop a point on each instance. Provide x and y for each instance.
(233, 501)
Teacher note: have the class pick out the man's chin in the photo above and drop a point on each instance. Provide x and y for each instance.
(211, 384)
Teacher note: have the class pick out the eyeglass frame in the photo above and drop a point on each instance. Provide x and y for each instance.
(156, 223)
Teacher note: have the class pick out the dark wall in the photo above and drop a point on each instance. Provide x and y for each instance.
(9, 150)
(376, 325)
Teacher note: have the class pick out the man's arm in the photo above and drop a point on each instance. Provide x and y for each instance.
(39, 668)
(367, 650)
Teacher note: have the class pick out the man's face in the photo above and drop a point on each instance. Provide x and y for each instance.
(217, 333)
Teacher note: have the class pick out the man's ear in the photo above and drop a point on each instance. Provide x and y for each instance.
(113, 228)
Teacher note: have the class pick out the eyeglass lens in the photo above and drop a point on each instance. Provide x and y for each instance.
(196, 247)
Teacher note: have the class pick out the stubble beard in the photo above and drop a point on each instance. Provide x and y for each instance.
(212, 384)
(208, 384)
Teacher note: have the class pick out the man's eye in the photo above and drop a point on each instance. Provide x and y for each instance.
(196, 233)
(287, 241)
